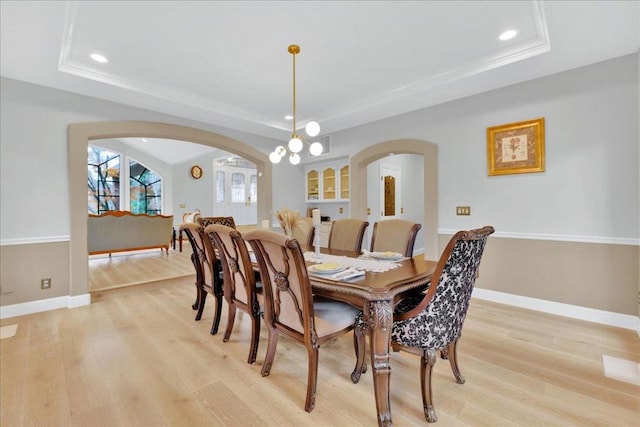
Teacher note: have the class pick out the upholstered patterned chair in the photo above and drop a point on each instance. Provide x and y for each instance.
(207, 272)
(394, 235)
(424, 324)
(347, 234)
(204, 221)
(291, 309)
(240, 288)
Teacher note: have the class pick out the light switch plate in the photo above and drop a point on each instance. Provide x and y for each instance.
(463, 210)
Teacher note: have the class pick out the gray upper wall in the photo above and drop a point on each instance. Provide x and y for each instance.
(590, 187)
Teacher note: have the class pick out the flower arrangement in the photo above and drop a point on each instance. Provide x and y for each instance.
(287, 219)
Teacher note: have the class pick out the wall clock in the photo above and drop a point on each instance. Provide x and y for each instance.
(196, 172)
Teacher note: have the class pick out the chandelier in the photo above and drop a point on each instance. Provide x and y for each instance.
(296, 144)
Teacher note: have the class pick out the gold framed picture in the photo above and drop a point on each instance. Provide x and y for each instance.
(516, 147)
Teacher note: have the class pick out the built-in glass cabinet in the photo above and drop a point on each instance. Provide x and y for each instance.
(328, 182)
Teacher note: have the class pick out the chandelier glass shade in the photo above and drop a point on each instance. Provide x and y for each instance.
(312, 129)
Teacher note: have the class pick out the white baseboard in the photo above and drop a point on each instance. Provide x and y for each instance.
(31, 307)
(626, 321)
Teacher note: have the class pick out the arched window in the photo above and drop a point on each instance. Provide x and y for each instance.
(105, 170)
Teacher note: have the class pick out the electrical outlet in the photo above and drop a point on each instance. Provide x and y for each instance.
(45, 283)
(341, 210)
(182, 206)
(463, 210)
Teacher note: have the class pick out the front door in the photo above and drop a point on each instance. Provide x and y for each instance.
(236, 194)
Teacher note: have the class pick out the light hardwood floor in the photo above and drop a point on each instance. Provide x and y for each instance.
(137, 267)
(136, 357)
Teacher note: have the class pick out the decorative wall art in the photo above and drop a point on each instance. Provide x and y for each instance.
(516, 147)
(196, 172)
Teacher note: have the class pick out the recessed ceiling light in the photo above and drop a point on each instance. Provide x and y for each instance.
(144, 140)
(99, 58)
(507, 35)
(288, 117)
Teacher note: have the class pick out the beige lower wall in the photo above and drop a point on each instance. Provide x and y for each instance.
(600, 276)
(23, 266)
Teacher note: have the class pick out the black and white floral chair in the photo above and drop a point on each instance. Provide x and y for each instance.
(426, 323)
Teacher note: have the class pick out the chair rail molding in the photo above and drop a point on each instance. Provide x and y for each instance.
(631, 241)
(34, 240)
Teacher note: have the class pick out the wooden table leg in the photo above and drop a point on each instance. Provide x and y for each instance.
(378, 316)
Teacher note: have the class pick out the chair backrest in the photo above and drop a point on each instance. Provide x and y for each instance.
(303, 231)
(237, 271)
(204, 221)
(288, 295)
(394, 235)
(347, 234)
(204, 257)
(444, 306)
(190, 217)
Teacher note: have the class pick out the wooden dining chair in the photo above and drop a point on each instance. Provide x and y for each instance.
(424, 324)
(187, 231)
(291, 309)
(347, 234)
(394, 235)
(204, 221)
(303, 231)
(241, 291)
(208, 280)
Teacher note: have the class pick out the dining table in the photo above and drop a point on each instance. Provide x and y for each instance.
(375, 293)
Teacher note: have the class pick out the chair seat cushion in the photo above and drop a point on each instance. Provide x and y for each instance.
(416, 331)
(332, 316)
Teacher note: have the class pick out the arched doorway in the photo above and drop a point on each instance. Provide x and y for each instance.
(78, 137)
(429, 151)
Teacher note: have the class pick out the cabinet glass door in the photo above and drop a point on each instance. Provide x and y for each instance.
(313, 183)
(344, 182)
(329, 184)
